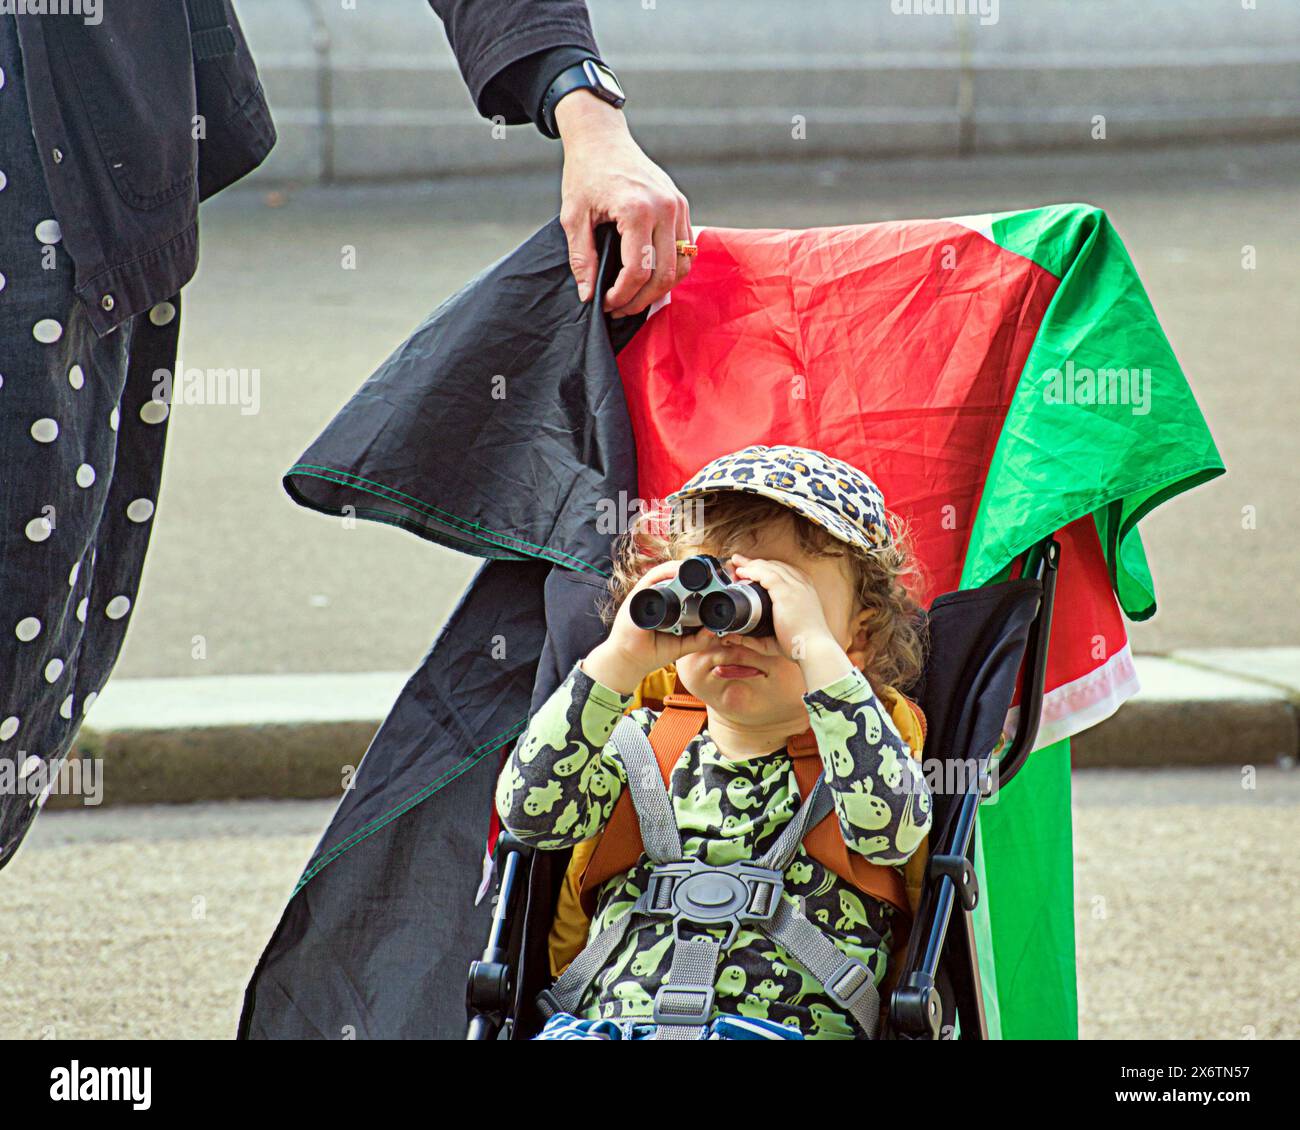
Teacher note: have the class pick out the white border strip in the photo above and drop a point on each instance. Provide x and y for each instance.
(1076, 706)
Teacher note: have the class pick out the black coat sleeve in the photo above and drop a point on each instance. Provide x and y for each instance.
(487, 36)
(516, 93)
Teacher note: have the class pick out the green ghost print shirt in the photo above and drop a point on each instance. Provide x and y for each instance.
(564, 775)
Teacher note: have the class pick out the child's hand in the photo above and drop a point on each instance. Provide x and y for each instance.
(798, 619)
(631, 653)
(797, 614)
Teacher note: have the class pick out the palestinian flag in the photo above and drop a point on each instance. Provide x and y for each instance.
(1001, 377)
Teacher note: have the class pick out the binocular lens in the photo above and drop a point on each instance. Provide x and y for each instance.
(742, 608)
(654, 608)
(719, 612)
(694, 574)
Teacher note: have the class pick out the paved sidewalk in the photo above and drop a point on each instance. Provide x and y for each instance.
(146, 922)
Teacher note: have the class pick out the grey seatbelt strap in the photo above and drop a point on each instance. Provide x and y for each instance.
(810, 814)
(567, 992)
(685, 999)
(695, 960)
(659, 837)
(654, 807)
(846, 980)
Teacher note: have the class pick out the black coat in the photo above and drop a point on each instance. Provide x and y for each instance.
(157, 106)
(115, 110)
(378, 937)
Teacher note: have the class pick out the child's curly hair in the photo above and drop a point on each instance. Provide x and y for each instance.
(883, 579)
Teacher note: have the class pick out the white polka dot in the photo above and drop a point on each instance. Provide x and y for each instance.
(27, 629)
(45, 430)
(113, 418)
(29, 766)
(153, 411)
(76, 376)
(47, 331)
(65, 708)
(2, 281)
(85, 475)
(38, 529)
(2, 78)
(72, 575)
(81, 608)
(117, 607)
(53, 669)
(90, 701)
(2, 382)
(48, 231)
(163, 313)
(139, 510)
(4, 180)
(8, 728)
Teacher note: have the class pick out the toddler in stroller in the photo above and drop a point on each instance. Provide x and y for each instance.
(777, 801)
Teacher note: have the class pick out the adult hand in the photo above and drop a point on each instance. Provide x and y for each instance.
(608, 178)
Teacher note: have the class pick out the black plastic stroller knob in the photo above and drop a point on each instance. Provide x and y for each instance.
(490, 986)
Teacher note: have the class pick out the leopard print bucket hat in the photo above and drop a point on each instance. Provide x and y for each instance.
(829, 492)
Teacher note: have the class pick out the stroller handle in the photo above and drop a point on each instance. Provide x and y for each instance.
(1044, 559)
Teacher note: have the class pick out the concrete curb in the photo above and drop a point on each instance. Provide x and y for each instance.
(1212, 706)
(236, 737)
(300, 736)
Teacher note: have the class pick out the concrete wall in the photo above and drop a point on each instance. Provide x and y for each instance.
(368, 89)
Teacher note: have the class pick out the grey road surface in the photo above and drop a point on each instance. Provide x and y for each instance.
(145, 922)
(314, 288)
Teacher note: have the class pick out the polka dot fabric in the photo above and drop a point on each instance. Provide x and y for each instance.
(81, 446)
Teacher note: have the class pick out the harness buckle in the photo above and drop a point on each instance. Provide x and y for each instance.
(547, 1005)
(688, 1005)
(847, 984)
(732, 895)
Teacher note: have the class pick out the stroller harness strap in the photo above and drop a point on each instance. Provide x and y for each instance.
(683, 717)
(646, 786)
(690, 892)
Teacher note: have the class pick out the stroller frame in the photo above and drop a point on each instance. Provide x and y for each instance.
(984, 642)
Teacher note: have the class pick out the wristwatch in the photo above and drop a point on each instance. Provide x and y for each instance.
(590, 74)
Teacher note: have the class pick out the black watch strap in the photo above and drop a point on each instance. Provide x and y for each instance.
(590, 74)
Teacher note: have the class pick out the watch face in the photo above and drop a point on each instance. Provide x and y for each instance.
(603, 77)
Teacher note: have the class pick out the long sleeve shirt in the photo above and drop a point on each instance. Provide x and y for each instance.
(562, 780)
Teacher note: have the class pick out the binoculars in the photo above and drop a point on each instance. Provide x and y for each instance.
(703, 594)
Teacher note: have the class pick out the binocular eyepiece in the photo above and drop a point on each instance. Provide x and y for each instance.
(703, 594)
